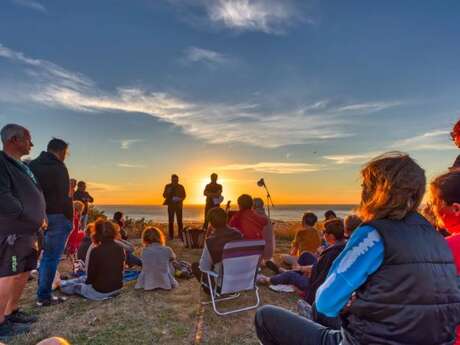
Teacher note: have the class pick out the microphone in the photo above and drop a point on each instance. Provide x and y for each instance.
(261, 182)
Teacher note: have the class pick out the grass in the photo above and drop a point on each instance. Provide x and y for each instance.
(153, 317)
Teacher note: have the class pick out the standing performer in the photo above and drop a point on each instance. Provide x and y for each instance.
(213, 194)
(174, 195)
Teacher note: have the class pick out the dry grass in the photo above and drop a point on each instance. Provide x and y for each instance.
(155, 317)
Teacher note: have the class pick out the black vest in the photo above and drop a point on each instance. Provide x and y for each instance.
(413, 298)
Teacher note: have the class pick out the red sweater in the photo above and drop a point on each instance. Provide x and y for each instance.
(454, 243)
(250, 224)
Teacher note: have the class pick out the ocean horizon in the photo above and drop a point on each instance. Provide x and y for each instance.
(195, 213)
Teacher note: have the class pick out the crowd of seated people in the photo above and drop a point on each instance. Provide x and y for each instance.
(375, 282)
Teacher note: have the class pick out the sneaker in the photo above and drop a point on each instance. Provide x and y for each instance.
(10, 329)
(19, 316)
(52, 301)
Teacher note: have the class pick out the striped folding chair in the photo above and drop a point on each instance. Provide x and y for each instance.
(240, 261)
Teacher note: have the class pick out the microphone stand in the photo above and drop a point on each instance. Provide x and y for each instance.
(269, 201)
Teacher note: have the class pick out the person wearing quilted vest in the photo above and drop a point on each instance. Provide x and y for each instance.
(394, 283)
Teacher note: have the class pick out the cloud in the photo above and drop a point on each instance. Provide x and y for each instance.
(125, 144)
(436, 140)
(216, 123)
(351, 158)
(274, 167)
(101, 187)
(268, 16)
(195, 54)
(34, 5)
(130, 166)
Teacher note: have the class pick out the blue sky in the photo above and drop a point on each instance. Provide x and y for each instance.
(300, 92)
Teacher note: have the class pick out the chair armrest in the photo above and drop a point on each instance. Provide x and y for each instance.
(211, 273)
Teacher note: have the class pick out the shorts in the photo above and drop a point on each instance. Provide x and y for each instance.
(18, 254)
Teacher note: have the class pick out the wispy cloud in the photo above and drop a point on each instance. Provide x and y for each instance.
(351, 158)
(369, 107)
(34, 5)
(125, 144)
(102, 187)
(268, 16)
(274, 167)
(248, 123)
(436, 140)
(130, 166)
(195, 54)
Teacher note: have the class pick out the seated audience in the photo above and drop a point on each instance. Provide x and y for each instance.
(119, 218)
(388, 274)
(157, 271)
(329, 214)
(306, 239)
(211, 258)
(249, 223)
(351, 222)
(268, 233)
(308, 274)
(104, 265)
(445, 193)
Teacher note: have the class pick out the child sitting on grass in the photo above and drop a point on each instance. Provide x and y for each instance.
(105, 265)
(157, 259)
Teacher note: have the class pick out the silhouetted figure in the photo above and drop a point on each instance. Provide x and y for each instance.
(174, 195)
(213, 194)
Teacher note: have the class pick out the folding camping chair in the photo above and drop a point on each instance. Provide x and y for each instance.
(240, 261)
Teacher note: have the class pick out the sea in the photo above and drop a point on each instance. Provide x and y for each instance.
(195, 213)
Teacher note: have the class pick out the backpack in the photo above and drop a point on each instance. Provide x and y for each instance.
(193, 237)
(183, 269)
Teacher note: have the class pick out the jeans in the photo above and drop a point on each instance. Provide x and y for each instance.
(175, 209)
(277, 326)
(291, 278)
(54, 241)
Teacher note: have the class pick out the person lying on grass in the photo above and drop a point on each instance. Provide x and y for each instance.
(157, 258)
(308, 273)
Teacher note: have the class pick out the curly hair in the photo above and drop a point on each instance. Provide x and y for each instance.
(104, 230)
(153, 235)
(393, 186)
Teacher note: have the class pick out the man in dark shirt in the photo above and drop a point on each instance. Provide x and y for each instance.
(455, 134)
(52, 174)
(82, 195)
(213, 194)
(22, 213)
(174, 194)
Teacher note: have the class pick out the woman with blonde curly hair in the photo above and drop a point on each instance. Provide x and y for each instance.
(395, 281)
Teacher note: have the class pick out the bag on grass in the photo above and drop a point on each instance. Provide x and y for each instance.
(193, 237)
(183, 269)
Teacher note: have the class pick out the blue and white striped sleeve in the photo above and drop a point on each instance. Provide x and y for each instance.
(362, 256)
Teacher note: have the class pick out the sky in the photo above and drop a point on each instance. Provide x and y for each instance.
(301, 93)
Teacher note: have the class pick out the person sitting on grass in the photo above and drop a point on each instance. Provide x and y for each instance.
(249, 223)
(351, 223)
(308, 273)
(445, 194)
(211, 258)
(306, 239)
(104, 265)
(157, 259)
(119, 218)
(394, 283)
(268, 234)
